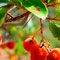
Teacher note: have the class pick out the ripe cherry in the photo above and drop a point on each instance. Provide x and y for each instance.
(3, 45)
(54, 55)
(11, 44)
(39, 53)
(0, 37)
(29, 43)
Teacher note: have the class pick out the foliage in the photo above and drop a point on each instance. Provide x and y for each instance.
(55, 30)
(20, 19)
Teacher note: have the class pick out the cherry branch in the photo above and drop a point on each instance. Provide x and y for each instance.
(16, 23)
(28, 19)
(10, 15)
(38, 32)
(52, 4)
(41, 24)
(12, 23)
(45, 1)
(13, 9)
(18, 17)
(56, 19)
(43, 38)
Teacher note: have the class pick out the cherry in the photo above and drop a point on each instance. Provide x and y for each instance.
(0, 37)
(29, 43)
(54, 55)
(38, 53)
(3, 45)
(11, 44)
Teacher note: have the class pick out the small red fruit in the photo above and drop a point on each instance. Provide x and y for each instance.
(39, 53)
(0, 37)
(11, 44)
(29, 43)
(54, 55)
(3, 45)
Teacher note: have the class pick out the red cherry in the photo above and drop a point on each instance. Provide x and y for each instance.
(29, 43)
(11, 44)
(38, 53)
(3, 45)
(54, 55)
(0, 37)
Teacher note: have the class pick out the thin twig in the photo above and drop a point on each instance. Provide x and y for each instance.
(13, 9)
(41, 24)
(52, 4)
(12, 23)
(45, 1)
(28, 19)
(36, 33)
(17, 23)
(18, 17)
(47, 42)
(56, 19)
(10, 15)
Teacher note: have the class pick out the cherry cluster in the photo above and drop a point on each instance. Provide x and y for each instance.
(10, 44)
(40, 52)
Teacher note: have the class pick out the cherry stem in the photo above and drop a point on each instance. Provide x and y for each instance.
(53, 4)
(36, 33)
(39, 33)
(55, 18)
(41, 24)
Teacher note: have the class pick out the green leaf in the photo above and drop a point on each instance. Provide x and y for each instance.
(36, 7)
(15, 2)
(57, 11)
(5, 1)
(55, 29)
(50, 1)
(57, 23)
(2, 15)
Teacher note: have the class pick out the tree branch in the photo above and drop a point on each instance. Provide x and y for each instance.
(13, 9)
(18, 17)
(52, 4)
(28, 19)
(12, 23)
(56, 19)
(41, 24)
(38, 32)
